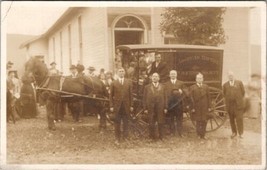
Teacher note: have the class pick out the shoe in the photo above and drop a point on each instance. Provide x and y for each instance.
(233, 135)
(241, 136)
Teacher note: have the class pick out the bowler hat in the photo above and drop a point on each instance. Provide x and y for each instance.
(91, 68)
(72, 67)
(53, 63)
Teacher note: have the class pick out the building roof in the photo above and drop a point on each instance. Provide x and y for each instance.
(60, 20)
(172, 47)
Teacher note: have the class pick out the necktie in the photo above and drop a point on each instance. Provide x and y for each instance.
(121, 82)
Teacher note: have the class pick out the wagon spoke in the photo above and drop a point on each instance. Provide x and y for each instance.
(217, 96)
(211, 124)
(219, 106)
(220, 117)
(219, 101)
(216, 122)
(223, 111)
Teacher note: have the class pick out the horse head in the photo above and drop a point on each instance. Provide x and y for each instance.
(38, 69)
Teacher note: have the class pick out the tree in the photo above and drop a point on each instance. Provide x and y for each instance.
(196, 26)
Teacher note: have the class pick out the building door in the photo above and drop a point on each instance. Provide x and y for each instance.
(128, 37)
(127, 29)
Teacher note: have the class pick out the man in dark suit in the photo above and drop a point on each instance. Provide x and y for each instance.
(74, 104)
(234, 93)
(121, 102)
(159, 67)
(175, 102)
(155, 105)
(200, 105)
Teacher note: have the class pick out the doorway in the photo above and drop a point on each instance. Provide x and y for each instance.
(128, 37)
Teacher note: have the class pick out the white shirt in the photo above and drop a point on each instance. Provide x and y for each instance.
(173, 81)
(156, 84)
(232, 83)
(157, 64)
(74, 75)
(199, 84)
(121, 80)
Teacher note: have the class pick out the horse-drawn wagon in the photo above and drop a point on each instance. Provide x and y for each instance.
(187, 60)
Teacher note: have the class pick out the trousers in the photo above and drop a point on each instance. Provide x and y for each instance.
(236, 118)
(121, 117)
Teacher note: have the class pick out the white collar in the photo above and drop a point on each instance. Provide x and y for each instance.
(156, 84)
(200, 84)
(173, 80)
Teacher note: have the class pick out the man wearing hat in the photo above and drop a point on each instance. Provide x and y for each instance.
(73, 71)
(9, 66)
(91, 71)
(40, 57)
(13, 94)
(53, 71)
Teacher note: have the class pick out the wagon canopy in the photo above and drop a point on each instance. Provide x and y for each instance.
(187, 60)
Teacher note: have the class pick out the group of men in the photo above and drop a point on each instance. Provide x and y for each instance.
(160, 99)
(165, 94)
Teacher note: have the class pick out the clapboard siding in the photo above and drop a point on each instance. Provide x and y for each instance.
(94, 51)
(94, 38)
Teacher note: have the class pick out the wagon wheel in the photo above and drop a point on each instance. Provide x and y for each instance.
(218, 114)
(138, 124)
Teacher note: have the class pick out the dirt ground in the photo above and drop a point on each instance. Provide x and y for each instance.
(30, 142)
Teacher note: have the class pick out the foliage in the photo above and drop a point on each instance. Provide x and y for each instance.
(197, 26)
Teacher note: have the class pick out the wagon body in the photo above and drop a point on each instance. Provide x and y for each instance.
(187, 60)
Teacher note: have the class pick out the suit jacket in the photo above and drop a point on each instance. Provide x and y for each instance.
(149, 94)
(200, 101)
(162, 70)
(237, 93)
(175, 99)
(121, 94)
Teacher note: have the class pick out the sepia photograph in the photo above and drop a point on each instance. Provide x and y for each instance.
(133, 85)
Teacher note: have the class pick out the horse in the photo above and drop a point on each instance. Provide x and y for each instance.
(51, 89)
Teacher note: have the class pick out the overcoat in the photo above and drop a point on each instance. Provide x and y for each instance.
(175, 99)
(238, 93)
(200, 101)
(121, 93)
(149, 102)
(162, 70)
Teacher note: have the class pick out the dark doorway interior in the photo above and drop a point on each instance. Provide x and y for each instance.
(128, 37)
